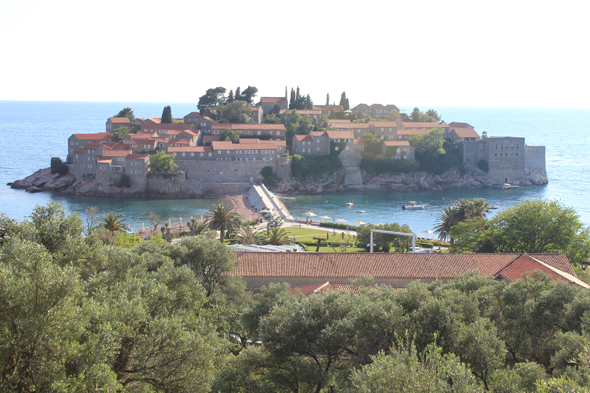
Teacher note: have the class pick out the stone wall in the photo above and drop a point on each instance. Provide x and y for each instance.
(225, 171)
(535, 157)
(182, 187)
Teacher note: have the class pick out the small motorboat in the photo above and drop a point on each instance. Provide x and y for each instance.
(360, 211)
(494, 207)
(414, 206)
(350, 203)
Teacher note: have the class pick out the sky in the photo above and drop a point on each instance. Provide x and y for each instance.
(423, 53)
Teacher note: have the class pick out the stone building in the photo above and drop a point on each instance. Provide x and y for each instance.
(398, 150)
(273, 131)
(505, 156)
(200, 122)
(117, 122)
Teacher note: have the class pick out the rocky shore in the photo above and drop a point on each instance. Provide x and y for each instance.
(406, 182)
(43, 180)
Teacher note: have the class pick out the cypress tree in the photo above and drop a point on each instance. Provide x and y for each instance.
(344, 101)
(230, 97)
(328, 99)
(238, 95)
(167, 115)
(292, 100)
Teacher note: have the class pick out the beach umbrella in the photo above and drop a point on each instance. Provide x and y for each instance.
(341, 220)
(324, 218)
(309, 214)
(428, 231)
(360, 223)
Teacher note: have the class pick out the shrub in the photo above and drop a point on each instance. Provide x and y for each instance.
(124, 181)
(376, 166)
(338, 226)
(314, 166)
(483, 165)
(59, 167)
(270, 178)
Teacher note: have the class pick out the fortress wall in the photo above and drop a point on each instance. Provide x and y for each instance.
(534, 157)
(225, 171)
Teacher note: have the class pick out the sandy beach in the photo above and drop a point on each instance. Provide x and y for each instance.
(243, 207)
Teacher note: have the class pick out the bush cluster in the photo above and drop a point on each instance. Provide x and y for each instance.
(59, 167)
(314, 166)
(377, 166)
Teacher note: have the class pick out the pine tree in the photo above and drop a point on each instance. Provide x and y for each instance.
(328, 99)
(292, 100)
(344, 101)
(230, 97)
(308, 103)
(238, 95)
(167, 115)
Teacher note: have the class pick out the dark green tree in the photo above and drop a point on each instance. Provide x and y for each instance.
(328, 99)
(249, 93)
(119, 134)
(222, 218)
(126, 112)
(230, 135)
(167, 115)
(344, 101)
(292, 100)
(238, 95)
(162, 163)
(230, 97)
(212, 98)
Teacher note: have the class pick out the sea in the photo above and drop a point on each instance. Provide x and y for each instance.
(31, 132)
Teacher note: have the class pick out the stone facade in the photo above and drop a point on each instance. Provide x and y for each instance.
(534, 157)
(505, 156)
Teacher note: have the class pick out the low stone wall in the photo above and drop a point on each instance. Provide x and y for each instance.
(181, 187)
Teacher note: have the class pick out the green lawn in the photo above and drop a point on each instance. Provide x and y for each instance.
(308, 234)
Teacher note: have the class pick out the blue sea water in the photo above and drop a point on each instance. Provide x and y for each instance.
(33, 132)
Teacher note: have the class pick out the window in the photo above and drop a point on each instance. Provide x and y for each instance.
(192, 154)
(318, 149)
(76, 156)
(516, 154)
(218, 151)
(496, 154)
(480, 146)
(501, 154)
(336, 148)
(317, 141)
(210, 154)
(201, 154)
(183, 154)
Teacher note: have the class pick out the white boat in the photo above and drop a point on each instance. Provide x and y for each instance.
(414, 206)
(290, 198)
(360, 211)
(494, 207)
(350, 203)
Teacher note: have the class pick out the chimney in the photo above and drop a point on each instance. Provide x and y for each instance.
(285, 92)
(484, 135)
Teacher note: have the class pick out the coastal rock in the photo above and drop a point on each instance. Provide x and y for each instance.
(45, 181)
(536, 176)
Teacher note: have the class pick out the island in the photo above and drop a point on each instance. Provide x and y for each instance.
(292, 146)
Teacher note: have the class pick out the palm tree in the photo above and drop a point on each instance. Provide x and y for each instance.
(248, 235)
(278, 237)
(114, 222)
(196, 227)
(461, 210)
(446, 219)
(222, 218)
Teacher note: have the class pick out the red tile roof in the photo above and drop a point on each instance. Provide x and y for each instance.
(190, 149)
(228, 145)
(382, 265)
(360, 106)
(248, 140)
(349, 126)
(79, 150)
(255, 127)
(154, 120)
(302, 111)
(137, 156)
(318, 133)
(359, 142)
(383, 124)
(116, 153)
(97, 136)
(412, 132)
(423, 125)
(302, 138)
(143, 135)
(210, 138)
(328, 107)
(334, 121)
(179, 127)
(103, 160)
(143, 142)
(526, 263)
(466, 133)
(340, 134)
(391, 106)
(396, 143)
(377, 106)
(459, 125)
(119, 120)
(274, 100)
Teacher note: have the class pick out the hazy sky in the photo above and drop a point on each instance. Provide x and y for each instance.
(451, 53)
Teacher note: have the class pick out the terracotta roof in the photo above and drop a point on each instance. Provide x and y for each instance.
(194, 114)
(228, 145)
(116, 153)
(383, 124)
(318, 133)
(119, 120)
(156, 120)
(103, 160)
(466, 133)
(360, 106)
(256, 108)
(248, 140)
(273, 100)
(459, 125)
(302, 138)
(377, 106)
(351, 125)
(423, 124)
(179, 127)
(211, 138)
(340, 134)
(143, 141)
(190, 149)
(302, 111)
(526, 263)
(255, 127)
(210, 119)
(328, 107)
(79, 150)
(137, 156)
(412, 132)
(359, 142)
(333, 121)
(396, 143)
(391, 106)
(383, 265)
(143, 135)
(97, 136)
